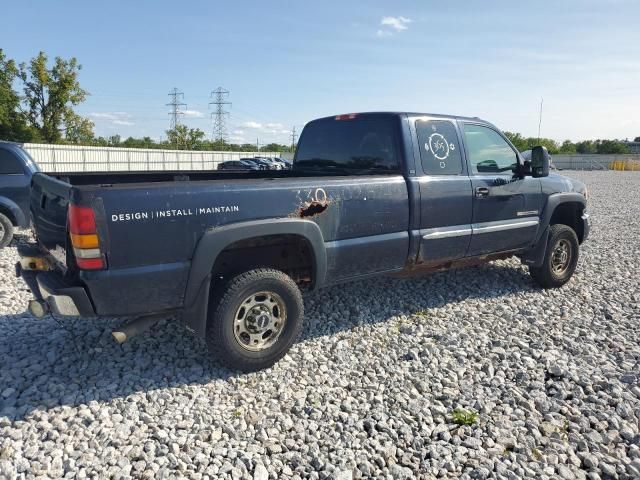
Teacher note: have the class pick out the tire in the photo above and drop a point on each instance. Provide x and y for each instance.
(262, 306)
(6, 231)
(556, 268)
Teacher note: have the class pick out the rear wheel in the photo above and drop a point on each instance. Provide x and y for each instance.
(254, 319)
(6, 231)
(560, 260)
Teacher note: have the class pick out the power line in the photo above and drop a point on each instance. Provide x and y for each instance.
(175, 105)
(293, 138)
(220, 115)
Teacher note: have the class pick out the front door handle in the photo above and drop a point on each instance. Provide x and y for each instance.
(482, 192)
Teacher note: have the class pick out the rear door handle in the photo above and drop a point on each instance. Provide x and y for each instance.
(482, 192)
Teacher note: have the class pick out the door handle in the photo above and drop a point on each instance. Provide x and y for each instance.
(482, 192)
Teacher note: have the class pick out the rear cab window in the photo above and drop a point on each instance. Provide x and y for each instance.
(349, 145)
(10, 164)
(439, 147)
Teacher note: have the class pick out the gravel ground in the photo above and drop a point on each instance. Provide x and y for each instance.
(553, 378)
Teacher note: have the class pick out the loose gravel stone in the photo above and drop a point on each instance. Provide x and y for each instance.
(369, 391)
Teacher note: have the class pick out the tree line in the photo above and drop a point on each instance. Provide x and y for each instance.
(568, 147)
(44, 112)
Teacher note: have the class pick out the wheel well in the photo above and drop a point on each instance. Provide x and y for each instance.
(569, 214)
(9, 214)
(291, 254)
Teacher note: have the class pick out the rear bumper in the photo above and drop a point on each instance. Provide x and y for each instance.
(49, 286)
(60, 297)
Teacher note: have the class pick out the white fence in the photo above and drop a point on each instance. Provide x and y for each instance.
(71, 158)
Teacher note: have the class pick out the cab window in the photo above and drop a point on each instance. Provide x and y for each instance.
(487, 151)
(439, 148)
(9, 164)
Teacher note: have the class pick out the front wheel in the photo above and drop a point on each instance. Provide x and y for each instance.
(255, 319)
(560, 259)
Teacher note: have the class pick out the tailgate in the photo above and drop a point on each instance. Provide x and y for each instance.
(49, 203)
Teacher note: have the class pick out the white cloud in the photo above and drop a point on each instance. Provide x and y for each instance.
(123, 122)
(193, 113)
(253, 125)
(273, 126)
(397, 23)
(238, 132)
(391, 25)
(113, 118)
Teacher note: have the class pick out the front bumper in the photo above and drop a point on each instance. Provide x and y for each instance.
(51, 288)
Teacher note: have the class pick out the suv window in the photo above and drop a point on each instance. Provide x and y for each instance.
(349, 145)
(9, 164)
(488, 152)
(439, 148)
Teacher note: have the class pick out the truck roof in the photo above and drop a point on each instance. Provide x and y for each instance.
(408, 114)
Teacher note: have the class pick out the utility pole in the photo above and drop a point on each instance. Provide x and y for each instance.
(219, 96)
(257, 145)
(176, 106)
(293, 138)
(540, 119)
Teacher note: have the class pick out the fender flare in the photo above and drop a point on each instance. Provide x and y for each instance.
(535, 256)
(216, 239)
(553, 201)
(17, 216)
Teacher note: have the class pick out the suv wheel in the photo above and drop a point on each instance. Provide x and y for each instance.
(560, 259)
(6, 231)
(255, 319)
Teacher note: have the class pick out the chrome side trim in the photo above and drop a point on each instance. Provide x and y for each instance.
(502, 225)
(446, 232)
(527, 213)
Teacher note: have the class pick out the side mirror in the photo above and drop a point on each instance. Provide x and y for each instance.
(539, 162)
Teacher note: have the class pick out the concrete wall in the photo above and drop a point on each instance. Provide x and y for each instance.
(597, 162)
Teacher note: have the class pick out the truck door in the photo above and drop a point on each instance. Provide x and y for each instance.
(506, 208)
(445, 192)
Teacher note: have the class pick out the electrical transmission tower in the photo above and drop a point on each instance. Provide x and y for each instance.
(219, 96)
(294, 135)
(176, 106)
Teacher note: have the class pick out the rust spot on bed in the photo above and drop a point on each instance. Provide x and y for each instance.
(311, 209)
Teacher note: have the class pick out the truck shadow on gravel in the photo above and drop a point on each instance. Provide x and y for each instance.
(48, 363)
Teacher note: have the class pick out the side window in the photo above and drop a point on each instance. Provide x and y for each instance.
(9, 164)
(439, 148)
(488, 152)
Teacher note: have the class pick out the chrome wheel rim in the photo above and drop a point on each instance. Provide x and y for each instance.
(259, 321)
(561, 257)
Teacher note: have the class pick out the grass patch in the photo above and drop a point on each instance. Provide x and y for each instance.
(464, 417)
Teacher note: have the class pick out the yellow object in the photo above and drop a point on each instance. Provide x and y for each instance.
(85, 241)
(34, 263)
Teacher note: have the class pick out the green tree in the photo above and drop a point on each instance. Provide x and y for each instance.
(611, 146)
(183, 137)
(51, 94)
(518, 140)
(586, 147)
(78, 130)
(13, 124)
(567, 147)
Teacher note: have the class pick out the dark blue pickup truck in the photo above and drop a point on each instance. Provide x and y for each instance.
(16, 169)
(229, 252)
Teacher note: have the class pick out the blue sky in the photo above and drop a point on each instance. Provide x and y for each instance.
(286, 63)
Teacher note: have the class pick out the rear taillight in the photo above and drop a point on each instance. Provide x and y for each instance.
(84, 238)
